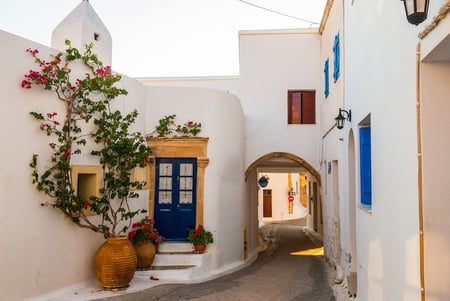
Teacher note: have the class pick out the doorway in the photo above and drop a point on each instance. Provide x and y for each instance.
(175, 197)
(267, 203)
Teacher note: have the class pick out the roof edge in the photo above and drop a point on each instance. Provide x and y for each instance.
(326, 14)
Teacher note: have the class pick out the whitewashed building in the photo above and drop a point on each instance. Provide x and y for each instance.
(42, 252)
(386, 166)
(375, 190)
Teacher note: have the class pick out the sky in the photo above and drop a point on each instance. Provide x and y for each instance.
(167, 38)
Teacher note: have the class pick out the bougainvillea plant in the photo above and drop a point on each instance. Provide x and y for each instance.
(144, 230)
(168, 127)
(88, 126)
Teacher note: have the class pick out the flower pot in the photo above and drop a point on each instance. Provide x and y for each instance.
(115, 263)
(200, 248)
(145, 252)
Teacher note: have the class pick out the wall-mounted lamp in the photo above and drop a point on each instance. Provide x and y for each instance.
(263, 181)
(340, 119)
(416, 10)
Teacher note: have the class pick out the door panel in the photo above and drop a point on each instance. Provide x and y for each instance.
(175, 196)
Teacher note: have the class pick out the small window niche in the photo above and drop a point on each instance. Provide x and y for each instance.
(141, 174)
(86, 181)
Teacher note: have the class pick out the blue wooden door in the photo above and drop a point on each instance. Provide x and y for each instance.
(175, 197)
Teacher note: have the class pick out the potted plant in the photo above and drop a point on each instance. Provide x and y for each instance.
(167, 127)
(90, 127)
(199, 238)
(145, 239)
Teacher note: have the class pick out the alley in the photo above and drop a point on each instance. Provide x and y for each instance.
(291, 268)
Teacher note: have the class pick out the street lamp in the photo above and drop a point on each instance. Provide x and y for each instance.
(416, 10)
(340, 119)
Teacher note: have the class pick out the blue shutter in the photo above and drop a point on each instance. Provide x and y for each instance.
(326, 78)
(337, 57)
(365, 166)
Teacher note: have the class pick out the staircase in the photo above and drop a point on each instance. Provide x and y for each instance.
(176, 262)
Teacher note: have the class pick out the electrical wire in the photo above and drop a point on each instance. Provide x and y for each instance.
(277, 12)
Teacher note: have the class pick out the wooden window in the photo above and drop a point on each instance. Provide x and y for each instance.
(301, 107)
(365, 158)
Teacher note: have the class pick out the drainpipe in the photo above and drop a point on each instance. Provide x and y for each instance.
(420, 176)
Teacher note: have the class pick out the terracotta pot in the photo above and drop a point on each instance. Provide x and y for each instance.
(200, 248)
(145, 252)
(115, 263)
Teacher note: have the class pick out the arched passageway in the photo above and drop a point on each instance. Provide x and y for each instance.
(292, 191)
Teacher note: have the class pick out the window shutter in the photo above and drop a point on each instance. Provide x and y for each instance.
(294, 104)
(308, 107)
(326, 75)
(337, 57)
(365, 166)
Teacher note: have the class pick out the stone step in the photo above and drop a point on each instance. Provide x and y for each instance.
(178, 259)
(175, 247)
(177, 267)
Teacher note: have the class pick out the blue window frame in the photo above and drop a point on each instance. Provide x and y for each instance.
(365, 158)
(337, 57)
(326, 76)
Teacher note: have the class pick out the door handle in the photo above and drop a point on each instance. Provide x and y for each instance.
(178, 206)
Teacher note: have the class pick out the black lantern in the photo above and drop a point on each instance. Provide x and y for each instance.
(416, 10)
(340, 119)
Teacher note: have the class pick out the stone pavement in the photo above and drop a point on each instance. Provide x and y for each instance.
(291, 268)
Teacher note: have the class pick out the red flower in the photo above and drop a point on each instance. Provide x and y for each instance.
(26, 84)
(32, 51)
(152, 234)
(67, 153)
(86, 204)
(131, 234)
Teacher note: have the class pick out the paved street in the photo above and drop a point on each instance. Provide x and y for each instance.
(281, 272)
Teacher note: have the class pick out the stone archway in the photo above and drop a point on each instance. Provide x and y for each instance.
(282, 162)
(285, 157)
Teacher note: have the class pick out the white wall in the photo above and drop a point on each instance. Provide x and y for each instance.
(271, 63)
(278, 183)
(380, 50)
(41, 250)
(435, 108)
(331, 160)
(223, 83)
(226, 209)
